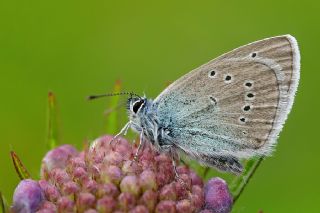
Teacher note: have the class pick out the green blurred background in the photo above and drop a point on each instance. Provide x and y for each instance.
(77, 48)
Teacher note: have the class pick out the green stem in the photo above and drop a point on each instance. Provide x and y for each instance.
(241, 182)
(53, 124)
(4, 205)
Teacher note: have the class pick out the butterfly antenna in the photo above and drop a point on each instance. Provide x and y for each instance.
(91, 97)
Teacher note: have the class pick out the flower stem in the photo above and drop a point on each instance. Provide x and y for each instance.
(241, 182)
(53, 130)
(4, 205)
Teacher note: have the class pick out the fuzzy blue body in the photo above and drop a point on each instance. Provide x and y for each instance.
(146, 122)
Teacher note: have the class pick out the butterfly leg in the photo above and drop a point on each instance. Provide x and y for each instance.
(174, 157)
(123, 131)
(141, 143)
(175, 168)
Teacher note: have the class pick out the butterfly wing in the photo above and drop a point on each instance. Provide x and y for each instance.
(236, 104)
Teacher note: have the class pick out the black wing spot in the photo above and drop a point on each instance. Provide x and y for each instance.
(242, 119)
(212, 73)
(253, 55)
(248, 84)
(214, 101)
(250, 95)
(246, 108)
(228, 78)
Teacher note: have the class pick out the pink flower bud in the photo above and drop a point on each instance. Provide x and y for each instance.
(126, 201)
(27, 197)
(131, 167)
(183, 169)
(149, 199)
(130, 184)
(139, 209)
(50, 191)
(59, 176)
(90, 185)
(77, 162)
(91, 211)
(106, 204)
(217, 196)
(205, 211)
(47, 207)
(113, 158)
(168, 192)
(195, 179)
(79, 173)
(184, 206)
(58, 157)
(111, 174)
(69, 188)
(166, 206)
(85, 201)
(107, 189)
(123, 148)
(65, 204)
(148, 180)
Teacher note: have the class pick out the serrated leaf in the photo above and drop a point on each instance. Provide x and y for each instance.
(53, 124)
(240, 182)
(19, 167)
(4, 205)
(112, 116)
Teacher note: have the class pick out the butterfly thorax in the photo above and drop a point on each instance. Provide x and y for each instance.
(144, 120)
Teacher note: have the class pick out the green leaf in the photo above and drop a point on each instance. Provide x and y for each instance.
(112, 114)
(4, 205)
(240, 182)
(53, 124)
(19, 167)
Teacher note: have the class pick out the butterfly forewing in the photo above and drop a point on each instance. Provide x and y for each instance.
(236, 104)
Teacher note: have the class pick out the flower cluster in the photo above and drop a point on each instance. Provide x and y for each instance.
(104, 178)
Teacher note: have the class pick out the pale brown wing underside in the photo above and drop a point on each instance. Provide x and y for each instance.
(239, 101)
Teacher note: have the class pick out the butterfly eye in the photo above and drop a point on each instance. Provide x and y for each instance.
(137, 105)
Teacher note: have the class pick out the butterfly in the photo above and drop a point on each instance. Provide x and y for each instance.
(231, 108)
